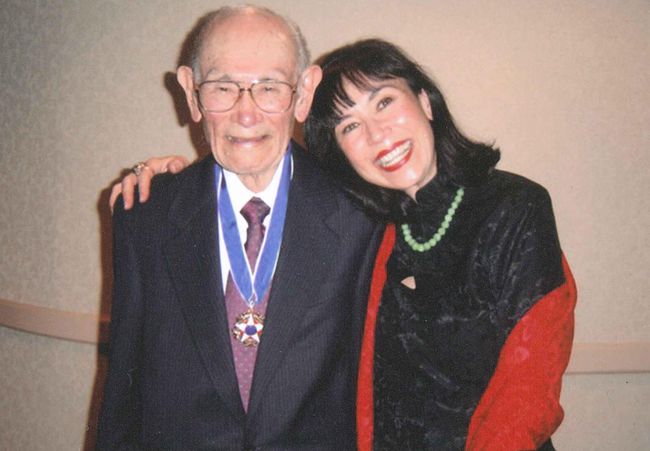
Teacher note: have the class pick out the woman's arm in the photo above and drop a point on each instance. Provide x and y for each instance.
(142, 176)
(365, 417)
(520, 408)
(535, 299)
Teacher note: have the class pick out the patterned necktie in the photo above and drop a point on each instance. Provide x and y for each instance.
(254, 212)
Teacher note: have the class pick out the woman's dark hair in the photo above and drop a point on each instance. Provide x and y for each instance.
(459, 160)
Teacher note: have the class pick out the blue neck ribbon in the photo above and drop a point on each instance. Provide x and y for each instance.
(252, 285)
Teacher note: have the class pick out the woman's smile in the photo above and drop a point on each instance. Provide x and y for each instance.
(394, 158)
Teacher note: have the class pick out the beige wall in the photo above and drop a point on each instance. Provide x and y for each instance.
(560, 86)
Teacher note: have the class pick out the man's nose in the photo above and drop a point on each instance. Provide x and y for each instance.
(246, 110)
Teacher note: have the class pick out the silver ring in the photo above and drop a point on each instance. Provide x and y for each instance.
(138, 168)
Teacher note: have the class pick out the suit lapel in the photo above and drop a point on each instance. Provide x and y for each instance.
(305, 243)
(192, 256)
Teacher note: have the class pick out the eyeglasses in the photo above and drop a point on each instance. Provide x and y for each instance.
(270, 96)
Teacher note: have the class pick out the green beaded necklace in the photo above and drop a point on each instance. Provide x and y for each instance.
(435, 239)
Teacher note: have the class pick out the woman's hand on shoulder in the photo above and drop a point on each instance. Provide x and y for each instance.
(141, 175)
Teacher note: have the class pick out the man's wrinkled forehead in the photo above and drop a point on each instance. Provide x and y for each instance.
(244, 42)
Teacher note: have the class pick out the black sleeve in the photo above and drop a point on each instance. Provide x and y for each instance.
(120, 416)
(526, 256)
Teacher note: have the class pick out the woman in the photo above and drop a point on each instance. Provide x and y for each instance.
(474, 328)
(475, 324)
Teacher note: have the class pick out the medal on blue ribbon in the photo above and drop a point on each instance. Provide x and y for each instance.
(253, 284)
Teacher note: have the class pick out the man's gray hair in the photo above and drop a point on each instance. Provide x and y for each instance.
(205, 24)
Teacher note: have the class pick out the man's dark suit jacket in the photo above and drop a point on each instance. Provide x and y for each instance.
(171, 383)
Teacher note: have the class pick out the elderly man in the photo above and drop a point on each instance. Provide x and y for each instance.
(239, 330)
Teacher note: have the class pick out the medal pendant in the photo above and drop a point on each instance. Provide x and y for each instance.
(248, 328)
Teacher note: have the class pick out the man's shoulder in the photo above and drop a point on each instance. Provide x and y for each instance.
(195, 178)
(304, 161)
(310, 177)
(169, 192)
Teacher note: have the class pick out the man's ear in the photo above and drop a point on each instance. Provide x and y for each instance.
(307, 84)
(185, 78)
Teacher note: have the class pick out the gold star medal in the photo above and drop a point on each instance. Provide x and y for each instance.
(248, 328)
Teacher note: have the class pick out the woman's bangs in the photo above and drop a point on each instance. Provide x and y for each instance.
(358, 78)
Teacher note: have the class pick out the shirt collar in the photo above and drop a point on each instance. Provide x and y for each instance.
(240, 194)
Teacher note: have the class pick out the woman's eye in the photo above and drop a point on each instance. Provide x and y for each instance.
(383, 103)
(348, 128)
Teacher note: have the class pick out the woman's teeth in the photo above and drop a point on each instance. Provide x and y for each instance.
(394, 155)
